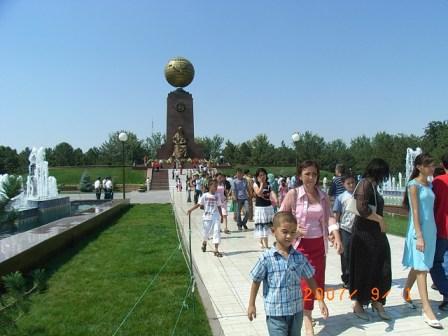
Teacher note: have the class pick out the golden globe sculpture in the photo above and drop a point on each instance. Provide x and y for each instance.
(179, 72)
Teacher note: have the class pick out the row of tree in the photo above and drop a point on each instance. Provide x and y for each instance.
(258, 151)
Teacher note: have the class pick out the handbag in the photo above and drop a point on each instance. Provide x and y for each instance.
(351, 203)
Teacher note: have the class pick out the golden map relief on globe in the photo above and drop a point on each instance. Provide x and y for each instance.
(179, 72)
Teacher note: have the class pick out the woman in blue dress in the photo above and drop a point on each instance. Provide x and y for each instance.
(420, 242)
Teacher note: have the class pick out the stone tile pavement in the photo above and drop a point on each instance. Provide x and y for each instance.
(227, 282)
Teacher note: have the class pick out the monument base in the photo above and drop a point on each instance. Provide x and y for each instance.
(180, 114)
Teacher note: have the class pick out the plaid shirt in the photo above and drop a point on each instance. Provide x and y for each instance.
(281, 280)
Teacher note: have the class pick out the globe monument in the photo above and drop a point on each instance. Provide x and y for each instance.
(180, 145)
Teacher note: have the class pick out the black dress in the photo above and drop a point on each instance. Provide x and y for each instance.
(370, 265)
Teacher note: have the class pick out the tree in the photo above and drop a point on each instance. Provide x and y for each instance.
(23, 159)
(92, 156)
(212, 147)
(63, 155)
(435, 139)
(310, 147)
(284, 155)
(361, 150)
(111, 150)
(10, 188)
(336, 152)
(153, 143)
(230, 152)
(245, 153)
(85, 184)
(400, 143)
(78, 157)
(216, 147)
(9, 160)
(49, 156)
(262, 151)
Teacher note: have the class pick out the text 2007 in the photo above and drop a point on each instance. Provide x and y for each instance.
(331, 294)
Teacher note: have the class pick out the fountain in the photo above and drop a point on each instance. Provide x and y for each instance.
(39, 185)
(39, 202)
(410, 158)
(393, 189)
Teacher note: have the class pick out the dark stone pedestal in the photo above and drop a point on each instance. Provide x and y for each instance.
(179, 113)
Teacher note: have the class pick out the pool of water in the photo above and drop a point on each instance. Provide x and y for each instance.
(76, 208)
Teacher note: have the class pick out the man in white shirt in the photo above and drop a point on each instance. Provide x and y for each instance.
(98, 186)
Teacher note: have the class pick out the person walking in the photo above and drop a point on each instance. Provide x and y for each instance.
(264, 210)
(370, 264)
(198, 188)
(280, 269)
(440, 187)
(211, 217)
(337, 187)
(421, 235)
(251, 195)
(241, 196)
(345, 220)
(311, 207)
(223, 193)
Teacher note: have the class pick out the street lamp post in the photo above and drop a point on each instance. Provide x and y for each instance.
(295, 138)
(123, 137)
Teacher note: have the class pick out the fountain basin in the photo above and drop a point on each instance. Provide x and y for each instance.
(31, 249)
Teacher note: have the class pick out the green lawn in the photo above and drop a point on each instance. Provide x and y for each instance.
(94, 284)
(73, 175)
(397, 225)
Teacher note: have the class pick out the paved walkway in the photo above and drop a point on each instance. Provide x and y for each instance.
(227, 282)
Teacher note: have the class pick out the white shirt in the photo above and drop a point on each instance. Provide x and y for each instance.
(210, 203)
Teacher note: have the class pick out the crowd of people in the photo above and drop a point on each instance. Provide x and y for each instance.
(306, 221)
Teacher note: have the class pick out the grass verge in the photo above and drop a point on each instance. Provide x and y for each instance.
(73, 175)
(397, 225)
(94, 284)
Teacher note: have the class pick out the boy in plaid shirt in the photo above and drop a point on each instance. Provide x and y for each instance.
(281, 268)
(211, 217)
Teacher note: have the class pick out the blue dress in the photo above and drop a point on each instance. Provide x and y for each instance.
(421, 261)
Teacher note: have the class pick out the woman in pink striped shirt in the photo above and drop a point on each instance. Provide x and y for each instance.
(311, 206)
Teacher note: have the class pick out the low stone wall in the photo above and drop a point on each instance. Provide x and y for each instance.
(396, 210)
(32, 249)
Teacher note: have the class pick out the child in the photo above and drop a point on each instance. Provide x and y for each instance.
(281, 268)
(345, 220)
(178, 184)
(212, 208)
(282, 191)
(222, 192)
(264, 210)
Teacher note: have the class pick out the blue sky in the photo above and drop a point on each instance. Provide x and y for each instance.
(77, 71)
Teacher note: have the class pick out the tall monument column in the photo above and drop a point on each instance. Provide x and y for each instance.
(180, 145)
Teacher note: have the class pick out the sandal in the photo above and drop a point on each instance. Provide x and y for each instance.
(204, 246)
(218, 254)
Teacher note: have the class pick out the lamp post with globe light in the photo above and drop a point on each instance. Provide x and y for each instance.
(123, 137)
(295, 138)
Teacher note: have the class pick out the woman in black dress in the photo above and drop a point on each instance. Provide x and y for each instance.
(370, 265)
